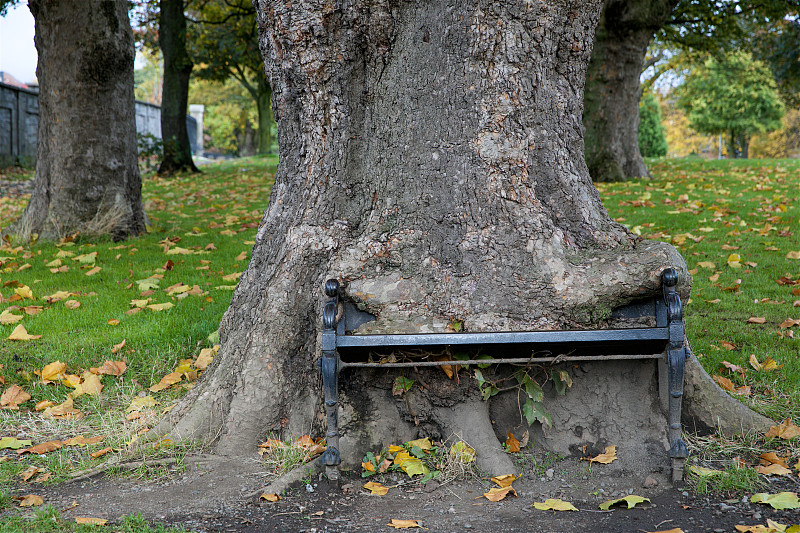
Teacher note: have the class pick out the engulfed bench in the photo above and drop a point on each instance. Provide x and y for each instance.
(664, 341)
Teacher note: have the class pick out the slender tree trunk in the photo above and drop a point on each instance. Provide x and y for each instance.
(263, 102)
(177, 152)
(611, 101)
(431, 160)
(87, 175)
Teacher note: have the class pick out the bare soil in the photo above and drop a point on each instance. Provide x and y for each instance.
(211, 496)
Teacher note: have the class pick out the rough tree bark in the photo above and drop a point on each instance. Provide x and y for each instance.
(263, 97)
(177, 152)
(611, 101)
(432, 160)
(87, 176)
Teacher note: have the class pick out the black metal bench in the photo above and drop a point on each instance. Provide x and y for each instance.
(664, 341)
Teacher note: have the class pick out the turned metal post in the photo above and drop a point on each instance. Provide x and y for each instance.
(329, 365)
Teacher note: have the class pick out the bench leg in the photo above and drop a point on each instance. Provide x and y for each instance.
(676, 362)
(330, 386)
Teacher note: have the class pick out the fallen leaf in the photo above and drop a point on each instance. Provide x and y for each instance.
(555, 505)
(57, 296)
(232, 277)
(13, 396)
(770, 458)
(631, 501)
(673, 530)
(24, 292)
(44, 404)
(724, 383)
(793, 255)
(117, 347)
(72, 304)
(773, 470)
(608, 456)
(423, 444)
(703, 471)
(111, 368)
(29, 473)
(64, 410)
(21, 334)
(91, 521)
(31, 500)
(11, 443)
(705, 264)
(204, 358)
(140, 403)
(756, 320)
(410, 465)
(42, 448)
(496, 494)
(512, 444)
(53, 372)
(782, 500)
(404, 524)
(368, 466)
(376, 488)
(505, 480)
(734, 368)
(161, 307)
(785, 430)
(7, 317)
(99, 453)
(167, 381)
(461, 452)
(91, 384)
(271, 497)
(113, 322)
(82, 441)
(93, 271)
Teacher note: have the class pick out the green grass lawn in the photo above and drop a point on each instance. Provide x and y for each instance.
(736, 222)
(716, 212)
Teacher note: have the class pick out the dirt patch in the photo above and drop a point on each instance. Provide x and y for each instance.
(211, 497)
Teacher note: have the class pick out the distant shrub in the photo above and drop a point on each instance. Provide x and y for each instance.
(652, 138)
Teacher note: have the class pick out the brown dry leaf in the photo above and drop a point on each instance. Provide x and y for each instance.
(376, 488)
(91, 521)
(404, 524)
(773, 470)
(93, 271)
(673, 530)
(785, 430)
(31, 500)
(32, 310)
(64, 410)
(496, 494)
(99, 453)
(29, 473)
(789, 322)
(21, 334)
(204, 358)
(771, 458)
(756, 320)
(160, 307)
(512, 444)
(111, 368)
(728, 345)
(41, 448)
(724, 383)
(167, 381)
(269, 497)
(72, 304)
(12, 397)
(117, 347)
(43, 477)
(113, 322)
(608, 456)
(7, 317)
(82, 441)
(734, 368)
(505, 480)
(368, 466)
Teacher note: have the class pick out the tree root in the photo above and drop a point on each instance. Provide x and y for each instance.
(282, 483)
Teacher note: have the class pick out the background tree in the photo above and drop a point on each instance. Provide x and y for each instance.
(177, 152)
(431, 159)
(224, 44)
(230, 122)
(735, 96)
(652, 139)
(87, 178)
(611, 100)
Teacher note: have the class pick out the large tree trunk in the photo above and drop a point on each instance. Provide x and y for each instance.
(177, 152)
(611, 102)
(432, 160)
(87, 176)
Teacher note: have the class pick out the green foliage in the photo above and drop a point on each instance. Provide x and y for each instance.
(652, 138)
(735, 96)
(229, 117)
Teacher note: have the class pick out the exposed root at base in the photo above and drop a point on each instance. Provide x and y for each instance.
(282, 483)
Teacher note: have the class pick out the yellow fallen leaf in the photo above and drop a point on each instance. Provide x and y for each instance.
(13, 396)
(204, 358)
(376, 488)
(91, 384)
(31, 500)
(770, 458)
(44, 404)
(178, 288)
(368, 466)
(423, 444)
(57, 296)
(393, 448)
(461, 452)
(29, 473)
(705, 264)
(21, 334)
(140, 303)
(773, 470)
(167, 381)
(113, 322)
(160, 307)
(756, 320)
(93, 271)
(7, 317)
(631, 501)
(232, 277)
(496, 494)
(111, 368)
(608, 456)
(24, 292)
(54, 371)
(71, 380)
(703, 471)
(72, 304)
(555, 505)
(269, 497)
(91, 521)
(141, 403)
(177, 250)
(403, 524)
(785, 430)
(793, 255)
(505, 480)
